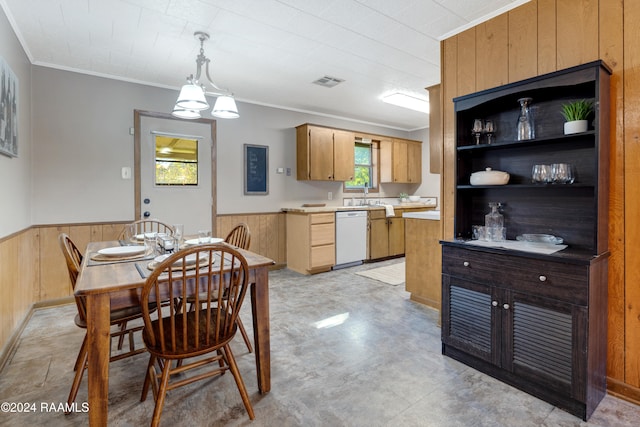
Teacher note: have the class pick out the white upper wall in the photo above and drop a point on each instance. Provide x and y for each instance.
(15, 172)
(81, 137)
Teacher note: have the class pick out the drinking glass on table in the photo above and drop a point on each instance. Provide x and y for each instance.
(178, 232)
(129, 235)
(204, 236)
(151, 242)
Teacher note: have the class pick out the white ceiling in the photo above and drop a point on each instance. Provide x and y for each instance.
(265, 51)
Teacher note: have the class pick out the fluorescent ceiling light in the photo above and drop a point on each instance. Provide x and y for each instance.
(407, 101)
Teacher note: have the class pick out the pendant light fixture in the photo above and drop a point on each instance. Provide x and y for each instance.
(192, 100)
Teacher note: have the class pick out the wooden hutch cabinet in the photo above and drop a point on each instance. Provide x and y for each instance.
(536, 321)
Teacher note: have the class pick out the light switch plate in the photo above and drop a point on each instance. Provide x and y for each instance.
(126, 172)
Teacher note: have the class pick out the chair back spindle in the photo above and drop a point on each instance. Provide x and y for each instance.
(217, 289)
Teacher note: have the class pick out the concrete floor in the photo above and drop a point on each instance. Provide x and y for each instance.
(381, 367)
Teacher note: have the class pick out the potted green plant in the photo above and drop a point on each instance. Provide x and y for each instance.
(404, 197)
(576, 114)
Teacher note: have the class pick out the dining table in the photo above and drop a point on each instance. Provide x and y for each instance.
(110, 283)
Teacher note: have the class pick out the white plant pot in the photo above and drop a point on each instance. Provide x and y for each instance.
(576, 126)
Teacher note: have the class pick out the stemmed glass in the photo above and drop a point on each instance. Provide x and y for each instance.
(489, 129)
(477, 130)
(178, 233)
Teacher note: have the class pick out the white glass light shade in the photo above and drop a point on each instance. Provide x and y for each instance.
(185, 114)
(225, 108)
(192, 98)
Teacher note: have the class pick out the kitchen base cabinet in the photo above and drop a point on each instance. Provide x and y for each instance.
(423, 261)
(311, 244)
(537, 324)
(386, 234)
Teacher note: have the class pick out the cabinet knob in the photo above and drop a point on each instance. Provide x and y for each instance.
(505, 306)
(543, 278)
(466, 263)
(494, 303)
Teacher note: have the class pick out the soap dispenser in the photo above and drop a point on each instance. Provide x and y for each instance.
(494, 223)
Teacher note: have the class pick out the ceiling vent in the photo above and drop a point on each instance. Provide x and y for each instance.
(328, 81)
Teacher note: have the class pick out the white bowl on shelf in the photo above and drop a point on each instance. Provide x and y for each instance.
(489, 177)
(414, 198)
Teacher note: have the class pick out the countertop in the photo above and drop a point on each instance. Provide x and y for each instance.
(337, 208)
(432, 215)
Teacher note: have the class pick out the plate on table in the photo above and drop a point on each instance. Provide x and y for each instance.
(122, 251)
(189, 261)
(192, 242)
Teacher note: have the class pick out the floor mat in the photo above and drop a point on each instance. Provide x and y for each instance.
(390, 274)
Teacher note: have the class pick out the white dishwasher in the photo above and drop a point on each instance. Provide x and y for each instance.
(351, 238)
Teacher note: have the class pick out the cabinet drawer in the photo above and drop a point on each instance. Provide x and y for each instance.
(322, 256)
(378, 214)
(322, 218)
(323, 234)
(565, 282)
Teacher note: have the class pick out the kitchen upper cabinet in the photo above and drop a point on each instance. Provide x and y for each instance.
(343, 155)
(401, 161)
(324, 154)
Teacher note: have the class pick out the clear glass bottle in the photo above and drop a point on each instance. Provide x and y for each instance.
(525, 127)
(494, 223)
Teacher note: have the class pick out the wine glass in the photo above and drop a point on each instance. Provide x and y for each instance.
(178, 233)
(477, 130)
(489, 129)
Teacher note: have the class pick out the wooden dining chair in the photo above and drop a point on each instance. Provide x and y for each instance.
(119, 318)
(178, 334)
(240, 236)
(142, 226)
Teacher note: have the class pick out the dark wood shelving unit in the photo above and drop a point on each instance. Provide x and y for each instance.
(535, 321)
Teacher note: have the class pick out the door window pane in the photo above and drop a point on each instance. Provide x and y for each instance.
(176, 161)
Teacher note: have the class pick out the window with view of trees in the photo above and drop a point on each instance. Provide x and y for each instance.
(364, 172)
(176, 160)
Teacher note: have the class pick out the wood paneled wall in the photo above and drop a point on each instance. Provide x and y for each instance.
(544, 36)
(19, 274)
(33, 270)
(268, 233)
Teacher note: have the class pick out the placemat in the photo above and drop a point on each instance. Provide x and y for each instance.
(98, 259)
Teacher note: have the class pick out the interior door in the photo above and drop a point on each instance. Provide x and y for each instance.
(191, 204)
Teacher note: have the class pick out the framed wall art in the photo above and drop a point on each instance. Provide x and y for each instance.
(8, 110)
(256, 169)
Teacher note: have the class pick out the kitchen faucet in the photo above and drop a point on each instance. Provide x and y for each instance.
(365, 189)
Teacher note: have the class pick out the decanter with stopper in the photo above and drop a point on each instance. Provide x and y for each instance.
(494, 223)
(525, 127)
